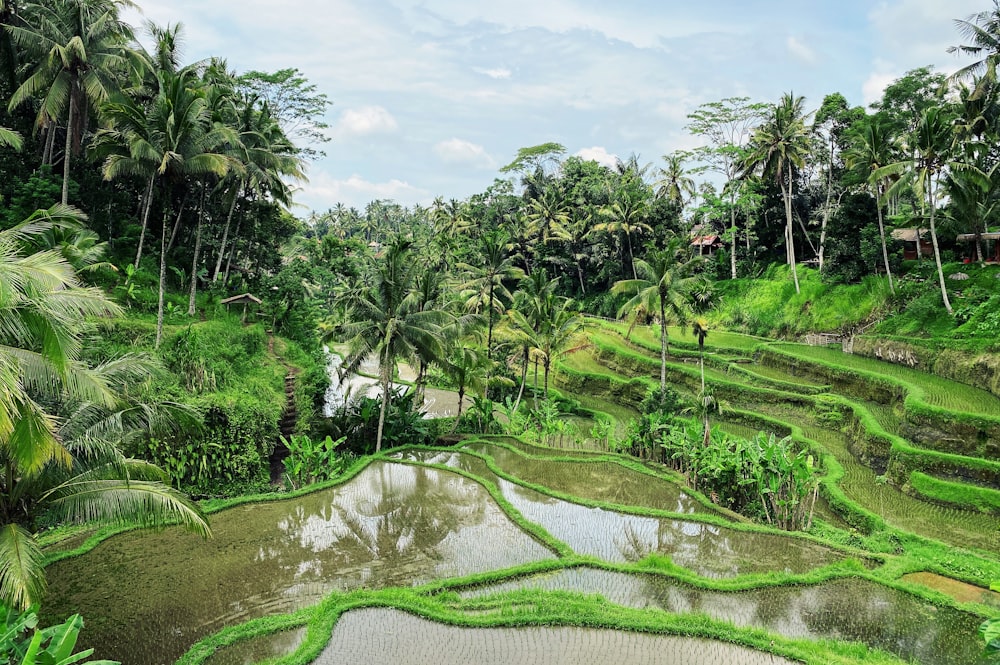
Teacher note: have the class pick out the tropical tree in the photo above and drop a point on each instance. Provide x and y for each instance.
(674, 184)
(70, 466)
(625, 215)
(982, 29)
(485, 289)
(872, 148)
(932, 153)
(178, 137)
(79, 49)
(778, 147)
(664, 286)
(384, 322)
(727, 125)
(547, 216)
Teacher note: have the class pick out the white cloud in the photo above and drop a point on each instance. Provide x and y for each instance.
(325, 191)
(365, 121)
(876, 83)
(800, 50)
(496, 73)
(918, 32)
(598, 154)
(457, 151)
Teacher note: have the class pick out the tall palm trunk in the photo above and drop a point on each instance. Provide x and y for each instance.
(885, 248)
(663, 346)
(147, 204)
(937, 252)
(732, 228)
(787, 193)
(163, 265)
(386, 395)
(197, 250)
(69, 145)
(225, 238)
(524, 377)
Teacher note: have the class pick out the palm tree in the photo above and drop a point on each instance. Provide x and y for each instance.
(385, 322)
(665, 282)
(71, 466)
(625, 215)
(547, 216)
(266, 156)
(699, 327)
(550, 329)
(533, 304)
(177, 136)
(872, 148)
(778, 147)
(932, 154)
(80, 48)
(674, 184)
(486, 290)
(983, 31)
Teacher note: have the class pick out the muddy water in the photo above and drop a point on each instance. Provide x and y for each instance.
(148, 596)
(599, 481)
(706, 549)
(391, 637)
(849, 609)
(252, 651)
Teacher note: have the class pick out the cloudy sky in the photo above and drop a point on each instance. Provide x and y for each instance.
(431, 97)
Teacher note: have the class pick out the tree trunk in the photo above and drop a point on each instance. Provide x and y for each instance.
(145, 218)
(732, 228)
(197, 249)
(937, 252)
(225, 237)
(663, 346)
(177, 222)
(826, 211)
(885, 248)
(386, 395)
(69, 148)
(524, 377)
(163, 266)
(232, 252)
(489, 343)
(579, 273)
(631, 259)
(788, 230)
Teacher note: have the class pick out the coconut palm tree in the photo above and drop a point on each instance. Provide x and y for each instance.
(385, 323)
(69, 466)
(547, 216)
(549, 328)
(778, 147)
(663, 286)
(933, 153)
(625, 215)
(872, 147)
(982, 29)
(674, 184)
(176, 134)
(80, 49)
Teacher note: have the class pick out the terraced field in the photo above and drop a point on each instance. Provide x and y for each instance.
(495, 550)
(935, 390)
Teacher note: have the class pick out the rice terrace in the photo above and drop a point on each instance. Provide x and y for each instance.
(286, 382)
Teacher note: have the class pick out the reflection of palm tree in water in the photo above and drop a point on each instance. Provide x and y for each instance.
(706, 549)
(408, 513)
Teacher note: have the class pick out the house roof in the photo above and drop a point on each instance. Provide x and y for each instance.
(908, 235)
(241, 299)
(704, 241)
(970, 237)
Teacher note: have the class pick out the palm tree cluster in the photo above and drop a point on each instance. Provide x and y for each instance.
(63, 423)
(195, 143)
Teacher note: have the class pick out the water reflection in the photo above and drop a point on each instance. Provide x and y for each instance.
(363, 636)
(148, 596)
(849, 609)
(707, 549)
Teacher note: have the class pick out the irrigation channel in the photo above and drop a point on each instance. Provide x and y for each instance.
(496, 550)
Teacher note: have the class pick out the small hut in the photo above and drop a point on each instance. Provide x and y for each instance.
(245, 299)
(707, 245)
(990, 246)
(914, 241)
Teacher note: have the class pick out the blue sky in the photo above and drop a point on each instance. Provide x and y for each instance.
(431, 97)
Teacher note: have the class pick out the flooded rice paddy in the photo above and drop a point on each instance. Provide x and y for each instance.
(148, 597)
(391, 637)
